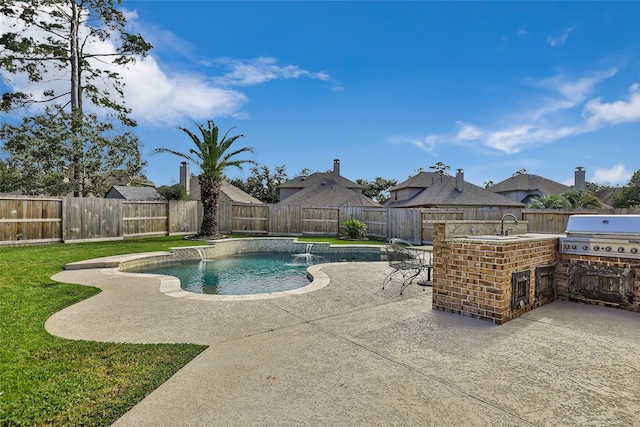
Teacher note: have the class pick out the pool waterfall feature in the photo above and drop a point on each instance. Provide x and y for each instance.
(229, 247)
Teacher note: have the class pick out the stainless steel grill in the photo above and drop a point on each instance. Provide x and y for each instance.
(602, 235)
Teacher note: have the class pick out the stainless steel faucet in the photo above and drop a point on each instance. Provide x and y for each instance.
(515, 220)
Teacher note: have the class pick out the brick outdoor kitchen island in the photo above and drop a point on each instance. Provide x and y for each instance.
(494, 278)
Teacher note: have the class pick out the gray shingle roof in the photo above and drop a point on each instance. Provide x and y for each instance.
(134, 193)
(421, 180)
(228, 192)
(529, 183)
(315, 178)
(440, 191)
(327, 193)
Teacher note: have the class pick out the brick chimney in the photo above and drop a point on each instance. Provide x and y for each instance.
(336, 171)
(185, 176)
(580, 183)
(460, 180)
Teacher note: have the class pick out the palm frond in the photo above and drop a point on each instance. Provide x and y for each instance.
(176, 153)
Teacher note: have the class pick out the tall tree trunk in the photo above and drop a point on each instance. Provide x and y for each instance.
(210, 198)
(76, 99)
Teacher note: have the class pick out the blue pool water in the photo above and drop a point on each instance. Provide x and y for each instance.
(249, 274)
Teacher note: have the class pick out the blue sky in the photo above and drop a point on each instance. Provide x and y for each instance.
(391, 87)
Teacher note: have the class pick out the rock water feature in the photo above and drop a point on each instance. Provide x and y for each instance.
(307, 255)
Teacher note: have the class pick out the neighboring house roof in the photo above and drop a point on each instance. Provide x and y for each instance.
(318, 177)
(134, 193)
(421, 180)
(529, 183)
(301, 182)
(324, 189)
(228, 192)
(327, 192)
(605, 194)
(434, 190)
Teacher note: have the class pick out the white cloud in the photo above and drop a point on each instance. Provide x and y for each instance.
(618, 174)
(468, 132)
(561, 39)
(615, 112)
(160, 99)
(513, 140)
(568, 92)
(509, 140)
(426, 144)
(264, 69)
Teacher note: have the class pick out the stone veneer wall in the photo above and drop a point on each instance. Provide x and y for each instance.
(473, 278)
(563, 271)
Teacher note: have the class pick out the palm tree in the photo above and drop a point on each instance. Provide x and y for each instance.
(582, 199)
(551, 201)
(213, 157)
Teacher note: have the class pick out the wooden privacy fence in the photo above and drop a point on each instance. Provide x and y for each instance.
(34, 220)
(38, 220)
(41, 220)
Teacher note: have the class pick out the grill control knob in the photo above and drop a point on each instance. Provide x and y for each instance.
(574, 246)
(620, 249)
(634, 250)
(596, 248)
(608, 249)
(585, 248)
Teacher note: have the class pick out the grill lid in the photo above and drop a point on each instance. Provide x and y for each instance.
(612, 225)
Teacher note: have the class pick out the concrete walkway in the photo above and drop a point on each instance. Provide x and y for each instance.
(353, 354)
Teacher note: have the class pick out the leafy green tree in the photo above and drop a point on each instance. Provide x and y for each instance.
(416, 172)
(582, 199)
(551, 201)
(378, 189)
(213, 156)
(80, 41)
(629, 195)
(440, 168)
(263, 184)
(42, 149)
(593, 187)
(304, 172)
(174, 192)
(9, 176)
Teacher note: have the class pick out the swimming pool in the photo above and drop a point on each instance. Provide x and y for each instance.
(249, 274)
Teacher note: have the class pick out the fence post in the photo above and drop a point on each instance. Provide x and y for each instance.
(63, 220)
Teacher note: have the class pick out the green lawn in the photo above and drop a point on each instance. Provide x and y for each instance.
(45, 380)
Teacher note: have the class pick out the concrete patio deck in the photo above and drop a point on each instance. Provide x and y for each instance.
(354, 354)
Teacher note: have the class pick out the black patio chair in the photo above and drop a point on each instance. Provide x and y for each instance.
(406, 261)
